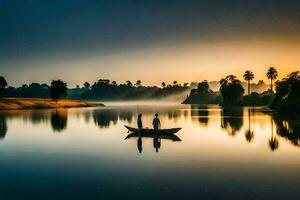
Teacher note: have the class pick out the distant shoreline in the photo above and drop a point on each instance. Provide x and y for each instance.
(39, 103)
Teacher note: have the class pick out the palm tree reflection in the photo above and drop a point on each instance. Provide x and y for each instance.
(273, 141)
(249, 134)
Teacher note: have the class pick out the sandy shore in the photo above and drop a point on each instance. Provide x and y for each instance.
(35, 103)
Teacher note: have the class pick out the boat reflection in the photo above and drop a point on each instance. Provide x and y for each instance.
(156, 139)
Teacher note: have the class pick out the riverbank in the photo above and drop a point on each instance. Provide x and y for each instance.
(37, 103)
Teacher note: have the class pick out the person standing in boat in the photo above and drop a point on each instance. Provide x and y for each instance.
(139, 121)
(156, 123)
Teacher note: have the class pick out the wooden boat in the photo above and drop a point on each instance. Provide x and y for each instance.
(152, 131)
(174, 138)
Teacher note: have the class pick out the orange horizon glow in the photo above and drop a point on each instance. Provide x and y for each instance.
(185, 62)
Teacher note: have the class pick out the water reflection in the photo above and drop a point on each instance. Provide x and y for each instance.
(36, 117)
(156, 143)
(200, 114)
(106, 117)
(249, 122)
(206, 160)
(3, 126)
(126, 115)
(288, 128)
(140, 144)
(249, 134)
(103, 118)
(173, 114)
(231, 120)
(59, 119)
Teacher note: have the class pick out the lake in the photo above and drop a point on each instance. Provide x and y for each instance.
(83, 153)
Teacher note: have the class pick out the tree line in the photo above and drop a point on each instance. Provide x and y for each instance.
(109, 90)
(57, 90)
(103, 89)
(231, 92)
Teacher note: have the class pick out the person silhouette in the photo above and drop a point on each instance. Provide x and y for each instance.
(139, 121)
(156, 123)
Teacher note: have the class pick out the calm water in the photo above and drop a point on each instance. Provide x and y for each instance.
(83, 154)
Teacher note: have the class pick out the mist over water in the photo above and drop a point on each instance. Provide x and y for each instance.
(84, 151)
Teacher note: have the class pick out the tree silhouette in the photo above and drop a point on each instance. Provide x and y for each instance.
(272, 75)
(248, 76)
(175, 82)
(203, 87)
(3, 85)
(58, 89)
(128, 83)
(138, 83)
(232, 90)
(287, 97)
(87, 85)
(163, 84)
(24, 86)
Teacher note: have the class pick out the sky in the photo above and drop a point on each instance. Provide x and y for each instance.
(152, 41)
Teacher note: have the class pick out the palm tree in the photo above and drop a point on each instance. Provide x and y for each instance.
(175, 82)
(272, 75)
(163, 84)
(248, 76)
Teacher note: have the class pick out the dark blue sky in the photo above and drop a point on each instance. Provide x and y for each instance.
(47, 29)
